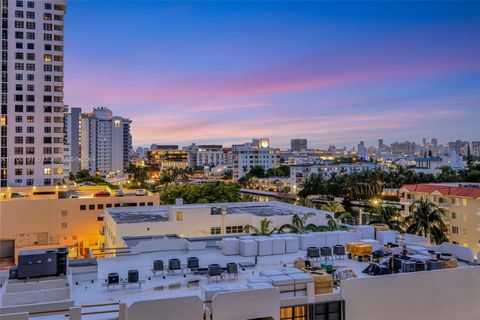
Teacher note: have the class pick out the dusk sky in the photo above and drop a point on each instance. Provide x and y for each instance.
(225, 72)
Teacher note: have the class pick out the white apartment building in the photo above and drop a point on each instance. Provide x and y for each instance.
(205, 155)
(258, 153)
(475, 148)
(32, 107)
(105, 142)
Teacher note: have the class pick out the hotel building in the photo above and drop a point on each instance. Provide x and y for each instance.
(461, 203)
(105, 142)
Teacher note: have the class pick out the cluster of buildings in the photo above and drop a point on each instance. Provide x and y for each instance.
(197, 262)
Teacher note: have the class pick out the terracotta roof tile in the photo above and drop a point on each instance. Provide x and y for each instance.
(444, 190)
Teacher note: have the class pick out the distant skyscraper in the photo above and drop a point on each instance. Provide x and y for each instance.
(298, 145)
(32, 132)
(380, 144)
(434, 142)
(361, 149)
(424, 142)
(106, 141)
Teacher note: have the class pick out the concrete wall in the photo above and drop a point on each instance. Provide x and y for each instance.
(171, 309)
(33, 285)
(248, 304)
(15, 316)
(436, 295)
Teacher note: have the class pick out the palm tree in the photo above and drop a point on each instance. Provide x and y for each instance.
(389, 216)
(426, 220)
(331, 224)
(338, 211)
(264, 229)
(305, 202)
(343, 217)
(334, 207)
(299, 224)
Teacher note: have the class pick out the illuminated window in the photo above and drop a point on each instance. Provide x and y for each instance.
(179, 216)
(47, 57)
(47, 171)
(117, 123)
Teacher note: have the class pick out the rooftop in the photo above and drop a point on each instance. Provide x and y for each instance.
(466, 190)
(160, 213)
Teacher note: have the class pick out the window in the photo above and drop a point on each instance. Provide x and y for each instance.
(83, 207)
(234, 229)
(109, 205)
(100, 218)
(64, 225)
(64, 213)
(454, 230)
(215, 230)
(47, 171)
(100, 206)
(150, 204)
(454, 215)
(179, 215)
(91, 207)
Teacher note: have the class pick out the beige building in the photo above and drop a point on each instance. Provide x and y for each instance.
(58, 216)
(163, 159)
(461, 202)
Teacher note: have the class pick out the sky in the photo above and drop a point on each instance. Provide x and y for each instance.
(226, 71)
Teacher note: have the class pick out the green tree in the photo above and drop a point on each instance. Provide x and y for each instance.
(299, 224)
(389, 216)
(263, 230)
(426, 220)
(334, 207)
(218, 191)
(257, 172)
(305, 202)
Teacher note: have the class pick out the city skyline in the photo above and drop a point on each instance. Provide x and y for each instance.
(214, 72)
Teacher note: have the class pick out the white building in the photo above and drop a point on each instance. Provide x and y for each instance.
(475, 148)
(258, 153)
(205, 155)
(32, 104)
(105, 142)
(301, 172)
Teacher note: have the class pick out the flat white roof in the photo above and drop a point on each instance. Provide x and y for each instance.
(160, 213)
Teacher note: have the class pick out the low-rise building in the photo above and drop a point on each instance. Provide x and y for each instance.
(198, 220)
(167, 159)
(38, 217)
(258, 153)
(461, 203)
